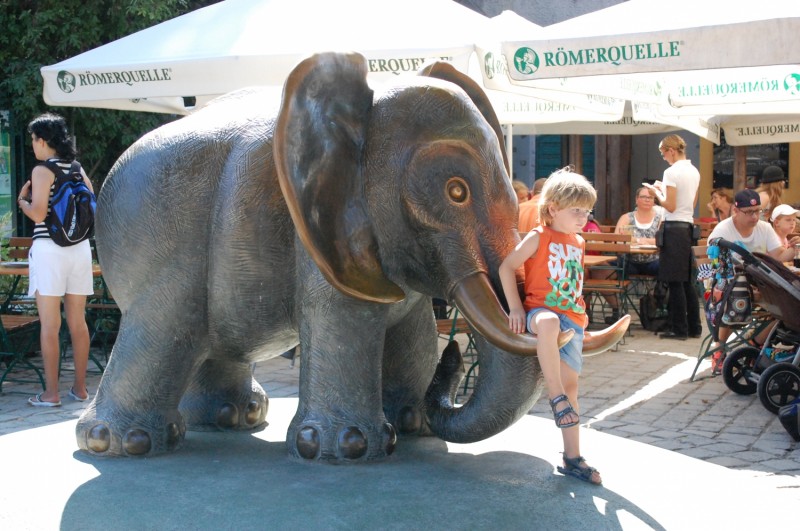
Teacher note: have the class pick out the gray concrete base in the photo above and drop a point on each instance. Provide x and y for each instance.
(246, 481)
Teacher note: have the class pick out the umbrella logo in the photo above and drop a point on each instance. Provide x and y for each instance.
(494, 66)
(526, 61)
(66, 81)
(792, 84)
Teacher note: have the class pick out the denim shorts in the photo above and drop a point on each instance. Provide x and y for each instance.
(572, 352)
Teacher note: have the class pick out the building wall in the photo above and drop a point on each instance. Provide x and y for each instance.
(542, 12)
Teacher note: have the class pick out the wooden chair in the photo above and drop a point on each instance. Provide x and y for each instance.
(448, 329)
(19, 337)
(16, 250)
(615, 283)
(705, 228)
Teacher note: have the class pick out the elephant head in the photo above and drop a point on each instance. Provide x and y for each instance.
(417, 197)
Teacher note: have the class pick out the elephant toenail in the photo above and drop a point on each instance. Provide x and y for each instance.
(252, 414)
(389, 438)
(352, 443)
(99, 439)
(410, 420)
(136, 442)
(173, 435)
(227, 415)
(307, 442)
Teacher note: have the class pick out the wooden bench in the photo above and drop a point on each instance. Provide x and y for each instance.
(18, 337)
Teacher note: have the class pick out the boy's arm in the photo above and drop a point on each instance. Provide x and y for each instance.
(508, 279)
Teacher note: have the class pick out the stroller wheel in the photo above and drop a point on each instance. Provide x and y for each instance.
(737, 367)
(778, 385)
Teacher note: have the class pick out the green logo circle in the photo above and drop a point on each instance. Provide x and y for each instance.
(66, 81)
(792, 84)
(526, 61)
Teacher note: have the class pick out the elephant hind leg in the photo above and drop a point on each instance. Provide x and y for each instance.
(224, 396)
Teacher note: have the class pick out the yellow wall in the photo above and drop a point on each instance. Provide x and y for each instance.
(791, 195)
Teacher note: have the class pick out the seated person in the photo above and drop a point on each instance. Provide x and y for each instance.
(744, 228)
(645, 220)
(529, 210)
(521, 189)
(721, 203)
(784, 221)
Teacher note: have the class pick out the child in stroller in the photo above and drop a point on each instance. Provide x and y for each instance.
(773, 370)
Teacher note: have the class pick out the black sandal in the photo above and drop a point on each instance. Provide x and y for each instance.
(558, 415)
(572, 467)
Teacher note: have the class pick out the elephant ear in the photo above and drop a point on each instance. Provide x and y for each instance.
(447, 72)
(318, 147)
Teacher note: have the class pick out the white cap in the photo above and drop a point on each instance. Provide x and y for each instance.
(783, 210)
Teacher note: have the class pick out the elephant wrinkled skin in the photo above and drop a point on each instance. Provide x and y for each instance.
(233, 234)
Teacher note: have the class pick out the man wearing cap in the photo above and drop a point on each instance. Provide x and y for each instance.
(770, 189)
(744, 228)
(784, 221)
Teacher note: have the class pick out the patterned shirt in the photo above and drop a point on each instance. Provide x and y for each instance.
(554, 275)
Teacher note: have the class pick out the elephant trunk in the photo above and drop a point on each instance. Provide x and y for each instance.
(506, 389)
(509, 380)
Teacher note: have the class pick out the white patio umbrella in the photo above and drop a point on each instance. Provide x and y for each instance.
(576, 92)
(716, 59)
(239, 43)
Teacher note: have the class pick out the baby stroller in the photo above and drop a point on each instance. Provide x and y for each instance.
(773, 371)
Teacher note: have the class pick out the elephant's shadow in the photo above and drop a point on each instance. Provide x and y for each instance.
(225, 481)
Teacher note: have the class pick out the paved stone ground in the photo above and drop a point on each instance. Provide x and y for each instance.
(640, 392)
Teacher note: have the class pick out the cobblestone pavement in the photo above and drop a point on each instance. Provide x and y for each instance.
(640, 391)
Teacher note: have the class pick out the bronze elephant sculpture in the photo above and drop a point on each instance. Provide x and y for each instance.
(233, 234)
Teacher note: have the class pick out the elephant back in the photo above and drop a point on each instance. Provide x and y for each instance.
(164, 197)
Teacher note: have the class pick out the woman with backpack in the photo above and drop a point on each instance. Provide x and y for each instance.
(56, 271)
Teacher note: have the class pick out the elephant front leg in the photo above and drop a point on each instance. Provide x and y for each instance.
(135, 411)
(340, 416)
(224, 396)
(409, 362)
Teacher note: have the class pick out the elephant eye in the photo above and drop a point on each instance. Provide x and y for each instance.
(457, 190)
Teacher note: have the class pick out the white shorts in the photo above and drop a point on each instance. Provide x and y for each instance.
(55, 270)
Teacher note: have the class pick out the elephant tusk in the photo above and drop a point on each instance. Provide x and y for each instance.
(602, 340)
(478, 303)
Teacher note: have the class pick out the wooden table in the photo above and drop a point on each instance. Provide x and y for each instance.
(644, 249)
(597, 259)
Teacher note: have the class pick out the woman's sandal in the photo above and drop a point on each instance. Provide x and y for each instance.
(558, 415)
(572, 467)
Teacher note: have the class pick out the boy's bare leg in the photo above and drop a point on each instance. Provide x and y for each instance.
(547, 326)
(571, 435)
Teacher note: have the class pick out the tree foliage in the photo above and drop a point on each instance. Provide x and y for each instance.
(39, 33)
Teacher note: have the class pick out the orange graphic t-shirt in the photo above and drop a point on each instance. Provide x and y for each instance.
(554, 275)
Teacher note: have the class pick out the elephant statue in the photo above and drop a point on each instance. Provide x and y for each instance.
(236, 233)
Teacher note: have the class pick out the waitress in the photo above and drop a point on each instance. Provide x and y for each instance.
(677, 193)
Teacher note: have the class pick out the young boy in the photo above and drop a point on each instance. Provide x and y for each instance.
(552, 255)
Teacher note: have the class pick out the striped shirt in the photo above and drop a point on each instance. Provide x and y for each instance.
(40, 229)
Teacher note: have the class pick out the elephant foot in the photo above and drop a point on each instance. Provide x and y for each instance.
(123, 434)
(216, 410)
(313, 438)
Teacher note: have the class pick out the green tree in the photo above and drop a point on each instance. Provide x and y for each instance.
(37, 33)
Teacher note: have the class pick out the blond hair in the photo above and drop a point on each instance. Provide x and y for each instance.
(673, 141)
(565, 189)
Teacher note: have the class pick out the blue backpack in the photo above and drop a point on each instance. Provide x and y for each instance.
(72, 209)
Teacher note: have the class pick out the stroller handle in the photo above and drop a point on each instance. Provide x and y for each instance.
(747, 256)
